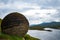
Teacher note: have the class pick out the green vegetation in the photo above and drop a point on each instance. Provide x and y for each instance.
(10, 37)
(36, 28)
(55, 25)
(28, 37)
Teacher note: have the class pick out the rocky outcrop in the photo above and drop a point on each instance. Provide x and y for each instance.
(15, 24)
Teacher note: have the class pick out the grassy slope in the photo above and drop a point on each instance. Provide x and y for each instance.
(28, 37)
(36, 28)
(10, 37)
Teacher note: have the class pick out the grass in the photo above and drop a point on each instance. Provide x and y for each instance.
(9, 37)
(28, 37)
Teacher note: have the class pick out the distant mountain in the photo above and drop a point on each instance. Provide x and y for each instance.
(49, 25)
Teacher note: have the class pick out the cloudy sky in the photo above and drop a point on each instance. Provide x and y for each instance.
(36, 11)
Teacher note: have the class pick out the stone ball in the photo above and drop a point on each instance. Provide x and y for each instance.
(15, 24)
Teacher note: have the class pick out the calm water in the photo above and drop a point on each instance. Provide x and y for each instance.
(45, 35)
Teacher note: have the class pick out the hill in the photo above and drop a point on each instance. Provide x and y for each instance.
(36, 27)
(49, 25)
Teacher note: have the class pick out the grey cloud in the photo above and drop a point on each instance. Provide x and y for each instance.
(57, 15)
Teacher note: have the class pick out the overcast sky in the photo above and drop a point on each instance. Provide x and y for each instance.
(36, 11)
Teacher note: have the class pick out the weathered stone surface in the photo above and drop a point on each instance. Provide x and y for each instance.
(15, 24)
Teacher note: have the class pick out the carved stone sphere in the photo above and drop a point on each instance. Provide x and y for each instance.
(15, 24)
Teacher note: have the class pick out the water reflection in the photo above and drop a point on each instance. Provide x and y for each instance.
(45, 35)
